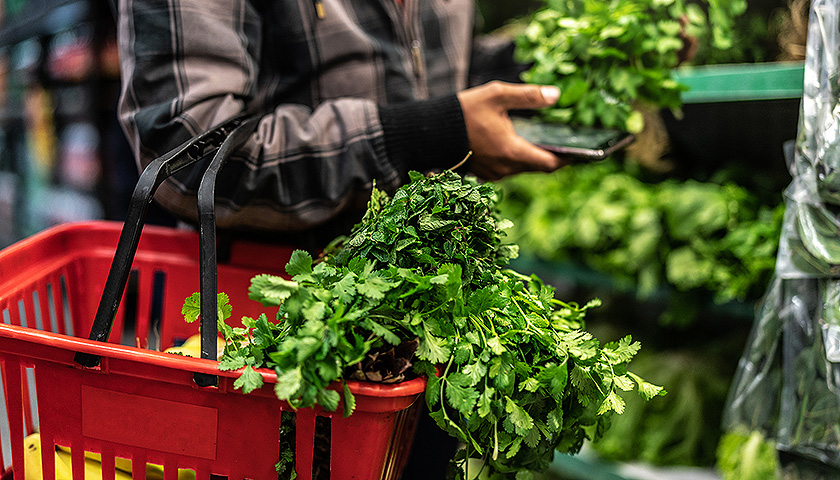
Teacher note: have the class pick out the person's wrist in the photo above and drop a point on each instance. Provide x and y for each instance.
(425, 135)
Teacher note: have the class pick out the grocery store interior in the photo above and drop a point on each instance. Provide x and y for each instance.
(710, 239)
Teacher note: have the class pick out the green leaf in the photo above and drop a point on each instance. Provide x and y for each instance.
(230, 363)
(433, 349)
(223, 306)
(271, 290)
(314, 311)
(328, 399)
(518, 417)
(192, 308)
(622, 351)
(288, 383)
(249, 380)
(349, 402)
(611, 402)
(485, 402)
(623, 382)
(524, 475)
(306, 347)
(383, 331)
(556, 377)
(495, 345)
(635, 122)
(530, 385)
(646, 389)
(374, 287)
(300, 263)
(432, 390)
(460, 395)
(345, 289)
(572, 90)
(432, 222)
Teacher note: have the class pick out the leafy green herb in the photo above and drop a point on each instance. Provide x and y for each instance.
(510, 370)
(608, 58)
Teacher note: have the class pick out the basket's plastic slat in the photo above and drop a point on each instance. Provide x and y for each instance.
(28, 310)
(305, 442)
(77, 460)
(28, 424)
(348, 455)
(144, 308)
(401, 440)
(202, 473)
(65, 308)
(107, 463)
(53, 297)
(47, 457)
(170, 469)
(13, 387)
(138, 466)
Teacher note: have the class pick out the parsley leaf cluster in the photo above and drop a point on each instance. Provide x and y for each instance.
(511, 371)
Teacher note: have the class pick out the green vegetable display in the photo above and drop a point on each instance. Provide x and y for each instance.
(684, 235)
(684, 427)
(747, 455)
(511, 372)
(611, 57)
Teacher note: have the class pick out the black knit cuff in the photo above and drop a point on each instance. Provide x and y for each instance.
(425, 135)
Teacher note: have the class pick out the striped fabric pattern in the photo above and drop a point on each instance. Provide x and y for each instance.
(317, 84)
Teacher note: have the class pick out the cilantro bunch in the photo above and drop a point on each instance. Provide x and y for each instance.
(510, 370)
(611, 57)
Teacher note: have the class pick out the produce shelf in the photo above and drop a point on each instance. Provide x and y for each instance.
(743, 81)
(736, 112)
(587, 466)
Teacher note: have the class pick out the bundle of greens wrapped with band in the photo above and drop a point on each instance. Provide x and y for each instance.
(422, 281)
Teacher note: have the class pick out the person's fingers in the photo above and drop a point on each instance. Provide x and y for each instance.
(513, 96)
(532, 157)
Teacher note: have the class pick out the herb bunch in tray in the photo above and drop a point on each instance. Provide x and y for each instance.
(420, 288)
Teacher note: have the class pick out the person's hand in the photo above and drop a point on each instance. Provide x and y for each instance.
(497, 151)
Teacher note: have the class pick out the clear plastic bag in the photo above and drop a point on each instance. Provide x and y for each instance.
(787, 385)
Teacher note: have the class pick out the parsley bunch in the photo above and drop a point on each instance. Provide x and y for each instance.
(511, 372)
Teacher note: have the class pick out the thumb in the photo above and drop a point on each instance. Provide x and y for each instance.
(530, 96)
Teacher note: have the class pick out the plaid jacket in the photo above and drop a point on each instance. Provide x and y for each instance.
(364, 91)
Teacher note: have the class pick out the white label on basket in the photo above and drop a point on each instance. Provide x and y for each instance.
(149, 422)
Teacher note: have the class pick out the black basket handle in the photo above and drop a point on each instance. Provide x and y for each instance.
(207, 246)
(221, 140)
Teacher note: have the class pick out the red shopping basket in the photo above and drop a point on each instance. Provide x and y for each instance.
(144, 405)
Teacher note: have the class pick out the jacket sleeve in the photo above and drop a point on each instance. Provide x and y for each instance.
(188, 65)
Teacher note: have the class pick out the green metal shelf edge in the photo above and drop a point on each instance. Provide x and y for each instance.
(579, 468)
(586, 467)
(741, 82)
